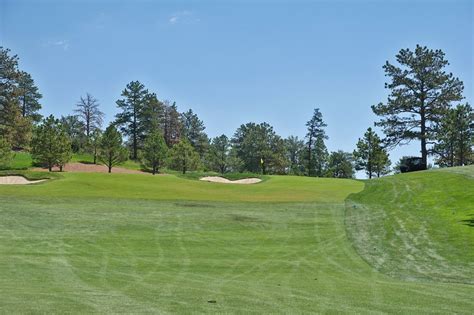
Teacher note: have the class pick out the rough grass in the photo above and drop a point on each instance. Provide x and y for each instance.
(21, 161)
(418, 225)
(110, 243)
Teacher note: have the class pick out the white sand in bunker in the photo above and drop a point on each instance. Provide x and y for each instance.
(222, 180)
(17, 180)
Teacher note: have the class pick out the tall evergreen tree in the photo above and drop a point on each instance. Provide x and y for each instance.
(154, 151)
(64, 148)
(74, 129)
(130, 119)
(455, 137)
(315, 148)
(15, 128)
(111, 151)
(260, 148)
(295, 150)
(420, 93)
(153, 114)
(382, 164)
(171, 124)
(218, 155)
(183, 157)
(320, 157)
(370, 155)
(87, 110)
(29, 97)
(50, 144)
(340, 165)
(193, 130)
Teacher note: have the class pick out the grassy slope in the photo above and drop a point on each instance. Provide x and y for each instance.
(23, 160)
(418, 225)
(87, 243)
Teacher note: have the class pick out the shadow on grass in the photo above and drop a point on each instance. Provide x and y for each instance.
(469, 222)
(86, 162)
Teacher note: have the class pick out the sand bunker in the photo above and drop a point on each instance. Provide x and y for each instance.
(222, 180)
(17, 180)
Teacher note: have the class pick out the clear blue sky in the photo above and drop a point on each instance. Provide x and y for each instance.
(238, 61)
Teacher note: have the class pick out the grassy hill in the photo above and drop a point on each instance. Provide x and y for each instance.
(136, 243)
(418, 225)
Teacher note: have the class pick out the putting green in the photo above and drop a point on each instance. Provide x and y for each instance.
(130, 243)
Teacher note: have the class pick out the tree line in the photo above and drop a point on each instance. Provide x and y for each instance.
(424, 104)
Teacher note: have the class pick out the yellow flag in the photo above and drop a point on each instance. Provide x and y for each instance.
(261, 161)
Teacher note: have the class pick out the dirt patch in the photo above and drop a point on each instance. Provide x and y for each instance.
(92, 168)
(222, 180)
(17, 180)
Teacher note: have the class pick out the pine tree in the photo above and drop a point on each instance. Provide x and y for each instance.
(320, 157)
(50, 144)
(295, 149)
(15, 128)
(260, 149)
(74, 129)
(63, 143)
(193, 130)
(218, 154)
(420, 94)
(154, 151)
(153, 114)
(29, 97)
(371, 156)
(171, 124)
(316, 152)
(340, 165)
(183, 157)
(111, 151)
(130, 119)
(454, 137)
(382, 163)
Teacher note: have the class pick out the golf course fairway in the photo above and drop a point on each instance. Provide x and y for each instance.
(110, 243)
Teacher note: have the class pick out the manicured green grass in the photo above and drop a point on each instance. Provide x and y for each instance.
(170, 187)
(109, 243)
(418, 225)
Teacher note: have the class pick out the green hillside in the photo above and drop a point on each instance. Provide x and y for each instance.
(418, 225)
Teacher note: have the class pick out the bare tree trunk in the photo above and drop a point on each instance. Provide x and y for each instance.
(135, 143)
(24, 106)
(309, 155)
(424, 152)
